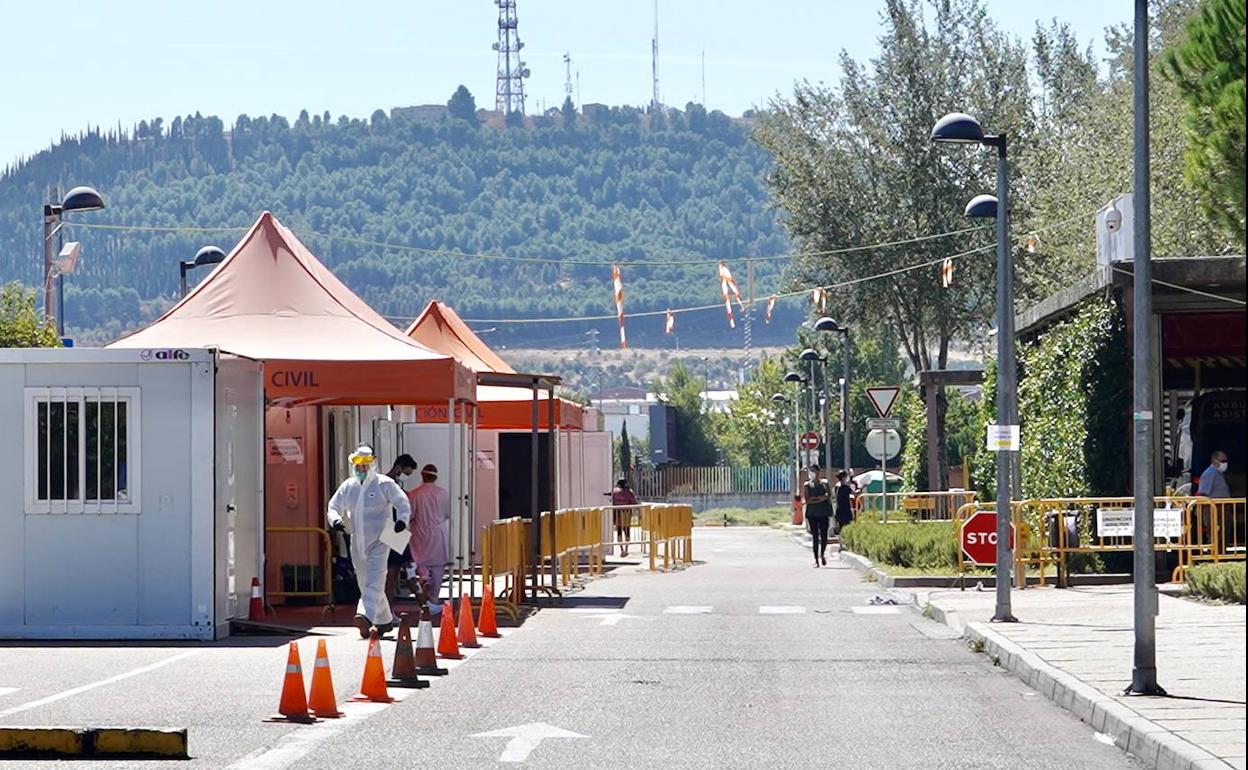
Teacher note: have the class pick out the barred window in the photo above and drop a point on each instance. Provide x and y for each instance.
(81, 453)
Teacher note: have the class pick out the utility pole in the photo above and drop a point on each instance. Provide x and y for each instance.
(1144, 671)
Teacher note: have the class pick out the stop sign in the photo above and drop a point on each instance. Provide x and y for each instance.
(810, 440)
(979, 537)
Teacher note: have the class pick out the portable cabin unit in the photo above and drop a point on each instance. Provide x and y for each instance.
(131, 492)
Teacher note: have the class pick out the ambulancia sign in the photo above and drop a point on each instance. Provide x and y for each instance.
(979, 537)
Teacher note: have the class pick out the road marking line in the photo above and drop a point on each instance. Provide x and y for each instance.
(876, 610)
(595, 610)
(101, 683)
(781, 610)
(8, 690)
(688, 610)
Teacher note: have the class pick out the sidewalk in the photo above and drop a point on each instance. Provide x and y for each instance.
(1075, 646)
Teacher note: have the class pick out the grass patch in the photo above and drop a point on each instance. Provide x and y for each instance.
(1223, 581)
(744, 517)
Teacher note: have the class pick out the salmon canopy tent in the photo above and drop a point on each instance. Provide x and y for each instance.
(271, 300)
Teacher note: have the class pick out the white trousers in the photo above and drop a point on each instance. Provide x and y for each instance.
(370, 574)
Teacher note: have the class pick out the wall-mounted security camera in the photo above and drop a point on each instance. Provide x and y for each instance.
(1113, 220)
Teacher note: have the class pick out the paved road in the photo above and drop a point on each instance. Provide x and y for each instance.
(655, 670)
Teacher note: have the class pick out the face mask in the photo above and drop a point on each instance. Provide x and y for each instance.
(1221, 467)
(361, 475)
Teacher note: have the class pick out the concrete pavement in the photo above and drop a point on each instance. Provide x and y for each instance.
(750, 658)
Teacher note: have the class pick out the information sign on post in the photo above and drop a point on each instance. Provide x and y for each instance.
(1003, 438)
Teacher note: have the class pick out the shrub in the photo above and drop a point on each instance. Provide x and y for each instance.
(1217, 581)
(925, 545)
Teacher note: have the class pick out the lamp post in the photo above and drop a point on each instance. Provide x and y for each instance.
(826, 324)
(80, 198)
(960, 128)
(811, 355)
(780, 398)
(208, 255)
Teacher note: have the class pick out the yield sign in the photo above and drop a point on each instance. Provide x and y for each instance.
(883, 398)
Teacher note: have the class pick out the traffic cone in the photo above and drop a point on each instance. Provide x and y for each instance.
(797, 510)
(293, 706)
(403, 673)
(426, 658)
(467, 632)
(256, 610)
(448, 646)
(321, 698)
(487, 623)
(373, 686)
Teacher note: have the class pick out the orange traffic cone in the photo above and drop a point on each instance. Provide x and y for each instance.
(448, 646)
(256, 610)
(467, 632)
(426, 658)
(294, 703)
(373, 686)
(321, 698)
(487, 624)
(403, 673)
(797, 510)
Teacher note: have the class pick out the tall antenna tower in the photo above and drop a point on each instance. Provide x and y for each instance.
(509, 88)
(654, 58)
(567, 82)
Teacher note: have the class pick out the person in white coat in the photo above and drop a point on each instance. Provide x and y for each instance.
(431, 523)
(364, 506)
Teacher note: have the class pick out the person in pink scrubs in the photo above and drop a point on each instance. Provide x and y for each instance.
(430, 527)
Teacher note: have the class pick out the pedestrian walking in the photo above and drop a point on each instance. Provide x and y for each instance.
(364, 506)
(623, 497)
(844, 502)
(1213, 479)
(431, 532)
(818, 513)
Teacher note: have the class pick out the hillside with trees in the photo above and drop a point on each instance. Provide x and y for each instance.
(400, 206)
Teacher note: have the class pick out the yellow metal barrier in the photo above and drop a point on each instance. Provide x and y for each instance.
(935, 506)
(669, 527)
(1214, 531)
(503, 555)
(327, 575)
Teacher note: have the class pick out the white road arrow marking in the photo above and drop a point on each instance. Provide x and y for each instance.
(525, 738)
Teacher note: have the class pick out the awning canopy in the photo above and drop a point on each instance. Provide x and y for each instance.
(501, 404)
(273, 301)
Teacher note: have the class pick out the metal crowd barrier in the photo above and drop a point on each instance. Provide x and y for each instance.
(669, 527)
(913, 506)
(327, 576)
(631, 516)
(503, 550)
(1215, 531)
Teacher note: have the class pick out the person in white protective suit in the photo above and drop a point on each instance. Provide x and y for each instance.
(364, 506)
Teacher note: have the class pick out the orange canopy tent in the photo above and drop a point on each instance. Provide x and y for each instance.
(271, 300)
(504, 397)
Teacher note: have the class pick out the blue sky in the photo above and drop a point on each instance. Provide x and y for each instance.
(92, 63)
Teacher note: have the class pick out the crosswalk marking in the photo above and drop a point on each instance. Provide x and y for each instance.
(781, 610)
(688, 610)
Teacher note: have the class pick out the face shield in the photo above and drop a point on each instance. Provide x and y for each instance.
(362, 460)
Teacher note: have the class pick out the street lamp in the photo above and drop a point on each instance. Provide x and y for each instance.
(960, 128)
(812, 355)
(780, 398)
(828, 325)
(208, 255)
(80, 198)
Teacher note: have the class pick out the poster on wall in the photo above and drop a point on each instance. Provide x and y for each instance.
(284, 451)
(485, 459)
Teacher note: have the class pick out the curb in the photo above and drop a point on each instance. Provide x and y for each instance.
(1144, 739)
(100, 742)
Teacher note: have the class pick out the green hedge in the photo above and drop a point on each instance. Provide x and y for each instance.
(1217, 581)
(926, 545)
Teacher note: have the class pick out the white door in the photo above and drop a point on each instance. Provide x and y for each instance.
(447, 448)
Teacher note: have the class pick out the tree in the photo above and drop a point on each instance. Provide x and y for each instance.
(681, 390)
(20, 326)
(753, 430)
(626, 451)
(462, 105)
(855, 165)
(568, 112)
(1208, 66)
